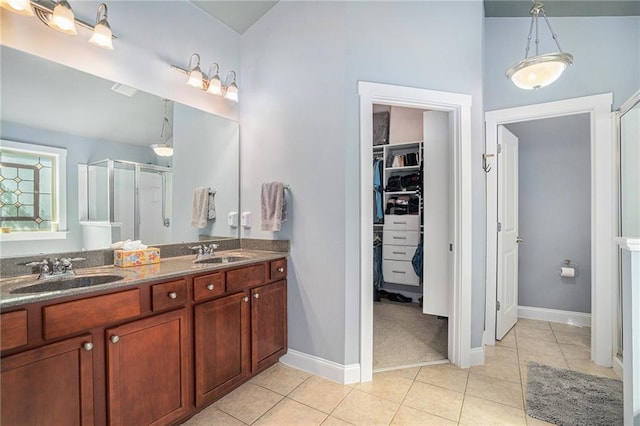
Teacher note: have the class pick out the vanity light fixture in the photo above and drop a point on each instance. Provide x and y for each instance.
(59, 16)
(195, 73)
(21, 7)
(214, 85)
(231, 91)
(102, 36)
(164, 148)
(539, 70)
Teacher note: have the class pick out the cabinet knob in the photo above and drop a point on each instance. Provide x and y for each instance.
(210, 287)
(87, 346)
(173, 295)
(115, 338)
(245, 299)
(257, 295)
(281, 269)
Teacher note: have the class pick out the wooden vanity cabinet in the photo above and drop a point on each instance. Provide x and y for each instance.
(268, 324)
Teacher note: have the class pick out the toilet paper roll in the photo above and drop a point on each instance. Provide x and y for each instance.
(567, 272)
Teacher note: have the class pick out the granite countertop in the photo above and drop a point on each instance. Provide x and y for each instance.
(168, 268)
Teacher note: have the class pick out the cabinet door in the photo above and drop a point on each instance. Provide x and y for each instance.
(268, 324)
(51, 385)
(221, 345)
(147, 367)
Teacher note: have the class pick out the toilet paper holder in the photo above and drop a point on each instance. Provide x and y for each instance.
(569, 269)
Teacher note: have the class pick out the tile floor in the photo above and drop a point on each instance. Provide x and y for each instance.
(489, 394)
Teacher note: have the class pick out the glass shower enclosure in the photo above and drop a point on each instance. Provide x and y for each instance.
(125, 200)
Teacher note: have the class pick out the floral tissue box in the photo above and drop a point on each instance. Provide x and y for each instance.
(125, 259)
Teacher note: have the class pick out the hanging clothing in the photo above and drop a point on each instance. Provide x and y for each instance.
(378, 279)
(378, 211)
(416, 261)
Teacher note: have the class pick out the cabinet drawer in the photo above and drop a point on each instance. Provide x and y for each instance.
(71, 317)
(13, 329)
(398, 252)
(395, 271)
(401, 238)
(278, 269)
(407, 222)
(168, 295)
(242, 278)
(208, 286)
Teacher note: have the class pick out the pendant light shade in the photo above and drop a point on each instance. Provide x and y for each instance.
(540, 70)
(102, 36)
(21, 7)
(214, 86)
(63, 19)
(195, 74)
(232, 89)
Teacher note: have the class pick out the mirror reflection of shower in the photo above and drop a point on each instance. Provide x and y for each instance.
(122, 200)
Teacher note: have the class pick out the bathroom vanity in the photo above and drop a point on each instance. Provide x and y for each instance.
(153, 348)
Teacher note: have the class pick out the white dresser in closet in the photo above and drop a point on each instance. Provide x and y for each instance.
(400, 237)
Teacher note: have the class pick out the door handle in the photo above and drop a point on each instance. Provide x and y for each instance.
(519, 240)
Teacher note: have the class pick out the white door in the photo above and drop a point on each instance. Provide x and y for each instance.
(507, 285)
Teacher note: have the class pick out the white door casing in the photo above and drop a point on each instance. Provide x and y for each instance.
(604, 219)
(507, 284)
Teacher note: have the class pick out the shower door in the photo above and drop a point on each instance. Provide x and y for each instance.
(153, 204)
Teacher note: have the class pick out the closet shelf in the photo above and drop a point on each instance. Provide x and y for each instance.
(400, 192)
(402, 169)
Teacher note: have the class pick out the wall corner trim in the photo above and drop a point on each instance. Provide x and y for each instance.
(344, 374)
(476, 356)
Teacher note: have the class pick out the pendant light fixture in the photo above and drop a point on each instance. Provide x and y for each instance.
(102, 36)
(21, 7)
(164, 148)
(195, 73)
(63, 19)
(540, 70)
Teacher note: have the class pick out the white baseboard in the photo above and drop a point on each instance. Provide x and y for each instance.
(344, 374)
(618, 368)
(566, 317)
(476, 356)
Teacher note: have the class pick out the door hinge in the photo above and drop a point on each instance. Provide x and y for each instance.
(497, 305)
(499, 148)
(499, 226)
(450, 247)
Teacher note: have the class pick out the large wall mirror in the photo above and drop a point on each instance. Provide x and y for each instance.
(117, 188)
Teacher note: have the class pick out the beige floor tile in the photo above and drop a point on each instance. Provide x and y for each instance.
(361, 408)
(211, 416)
(542, 358)
(574, 339)
(568, 328)
(409, 373)
(500, 370)
(529, 323)
(407, 416)
(500, 353)
(320, 393)
(248, 402)
(536, 334)
(281, 378)
(290, 412)
(476, 411)
(523, 375)
(389, 385)
(535, 422)
(539, 347)
(495, 390)
(434, 400)
(508, 340)
(334, 421)
(575, 352)
(586, 366)
(445, 375)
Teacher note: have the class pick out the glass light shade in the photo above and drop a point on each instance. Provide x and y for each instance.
(102, 36)
(232, 92)
(539, 71)
(162, 150)
(22, 7)
(195, 78)
(63, 19)
(215, 85)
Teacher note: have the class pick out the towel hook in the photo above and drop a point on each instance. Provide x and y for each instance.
(485, 165)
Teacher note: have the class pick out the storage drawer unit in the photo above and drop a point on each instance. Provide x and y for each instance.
(168, 295)
(399, 272)
(401, 238)
(13, 329)
(208, 286)
(409, 222)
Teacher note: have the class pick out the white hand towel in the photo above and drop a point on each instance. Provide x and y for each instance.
(211, 208)
(272, 199)
(199, 209)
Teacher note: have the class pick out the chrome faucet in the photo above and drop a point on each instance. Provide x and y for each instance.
(204, 251)
(62, 267)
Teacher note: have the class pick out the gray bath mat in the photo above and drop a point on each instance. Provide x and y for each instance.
(570, 398)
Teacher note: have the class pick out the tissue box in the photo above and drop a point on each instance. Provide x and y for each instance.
(128, 258)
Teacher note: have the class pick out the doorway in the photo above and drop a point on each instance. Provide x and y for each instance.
(602, 248)
(459, 299)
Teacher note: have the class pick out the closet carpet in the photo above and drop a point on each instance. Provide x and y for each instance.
(403, 335)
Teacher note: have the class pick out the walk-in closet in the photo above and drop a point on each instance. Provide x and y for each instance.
(412, 235)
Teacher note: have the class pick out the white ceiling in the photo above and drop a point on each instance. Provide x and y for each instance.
(240, 14)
